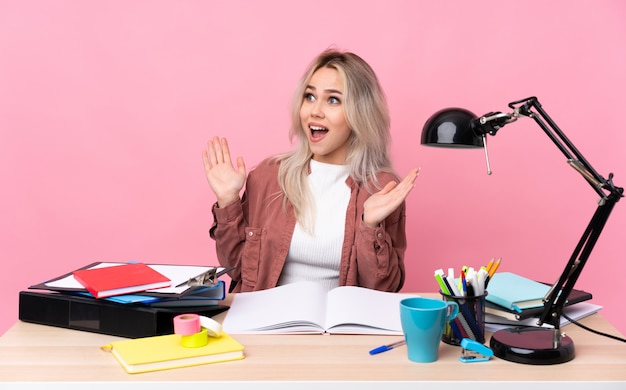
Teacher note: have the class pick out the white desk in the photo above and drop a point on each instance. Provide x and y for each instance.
(40, 356)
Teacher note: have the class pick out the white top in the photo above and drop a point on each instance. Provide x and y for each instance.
(317, 257)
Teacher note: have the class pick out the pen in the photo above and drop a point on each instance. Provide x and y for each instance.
(451, 286)
(483, 279)
(463, 284)
(384, 348)
(478, 288)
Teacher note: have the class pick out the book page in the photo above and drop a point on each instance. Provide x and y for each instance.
(292, 308)
(359, 310)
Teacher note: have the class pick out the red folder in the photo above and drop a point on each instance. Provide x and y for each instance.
(120, 279)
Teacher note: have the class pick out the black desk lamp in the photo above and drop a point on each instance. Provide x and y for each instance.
(459, 128)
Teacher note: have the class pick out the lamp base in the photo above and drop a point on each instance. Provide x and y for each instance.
(539, 346)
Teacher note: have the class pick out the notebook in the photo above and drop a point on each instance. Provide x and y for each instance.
(515, 292)
(120, 279)
(166, 352)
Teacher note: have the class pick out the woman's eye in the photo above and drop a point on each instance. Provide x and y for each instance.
(333, 100)
(309, 97)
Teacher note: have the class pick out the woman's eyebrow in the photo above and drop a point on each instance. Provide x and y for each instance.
(329, 90)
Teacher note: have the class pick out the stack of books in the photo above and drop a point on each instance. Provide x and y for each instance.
(157, 285)
(516, 300)
(138, 301)
(124, 299)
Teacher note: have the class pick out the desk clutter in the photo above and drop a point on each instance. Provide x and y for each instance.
(167, 315)
(496, 300)
(515, 300)
(126, 310)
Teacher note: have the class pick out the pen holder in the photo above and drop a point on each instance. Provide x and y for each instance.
(470, 323)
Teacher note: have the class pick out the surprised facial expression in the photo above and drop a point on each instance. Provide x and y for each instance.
(323, 119)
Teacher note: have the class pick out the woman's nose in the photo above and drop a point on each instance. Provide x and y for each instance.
(317, 110)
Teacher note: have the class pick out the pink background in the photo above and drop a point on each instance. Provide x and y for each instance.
(106, 106)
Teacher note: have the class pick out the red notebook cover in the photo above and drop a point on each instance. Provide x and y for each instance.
(120, 279)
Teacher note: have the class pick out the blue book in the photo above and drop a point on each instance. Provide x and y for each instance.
(515, 292)
(199, 296)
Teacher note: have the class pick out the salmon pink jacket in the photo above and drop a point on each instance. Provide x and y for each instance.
(253, 236)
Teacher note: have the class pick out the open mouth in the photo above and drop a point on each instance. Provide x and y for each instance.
(318, 131)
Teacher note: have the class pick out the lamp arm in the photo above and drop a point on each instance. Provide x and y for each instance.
(574, 157)
(556, 298)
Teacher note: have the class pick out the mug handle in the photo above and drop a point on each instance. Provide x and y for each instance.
(453, 310)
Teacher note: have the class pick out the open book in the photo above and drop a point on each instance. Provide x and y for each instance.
(306, 307)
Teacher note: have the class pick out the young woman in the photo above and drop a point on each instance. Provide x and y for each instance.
(332, 210)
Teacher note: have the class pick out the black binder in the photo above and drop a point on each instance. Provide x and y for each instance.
(101, 316)
(575, 296)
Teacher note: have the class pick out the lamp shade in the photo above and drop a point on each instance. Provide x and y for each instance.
(452, 128)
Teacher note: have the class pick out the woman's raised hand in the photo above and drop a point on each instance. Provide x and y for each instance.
(225, 181)
(381, 204)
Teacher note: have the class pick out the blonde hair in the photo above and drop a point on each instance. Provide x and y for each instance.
(367, 115)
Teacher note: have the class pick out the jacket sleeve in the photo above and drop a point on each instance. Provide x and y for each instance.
(235, 241)
(228, 231)
(380, 252)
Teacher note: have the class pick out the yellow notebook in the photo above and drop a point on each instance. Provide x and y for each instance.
(165, 352)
